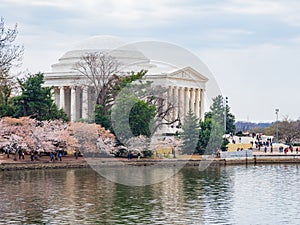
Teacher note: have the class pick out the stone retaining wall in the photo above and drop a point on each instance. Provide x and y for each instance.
(144, 162)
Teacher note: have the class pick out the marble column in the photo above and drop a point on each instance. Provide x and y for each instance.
(73, 104)
(169, 103)
(192, 100)
(202, 104)
(181, 103)
(197, 103)
(53, 93)
(62, 97)
(56, 96)
(175, 102)
(85, 103)
(186, 101)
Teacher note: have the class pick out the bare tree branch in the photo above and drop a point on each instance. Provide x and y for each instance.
(100, 70)
(10, 55)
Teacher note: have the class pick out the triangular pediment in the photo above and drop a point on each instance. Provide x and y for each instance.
(188, 73)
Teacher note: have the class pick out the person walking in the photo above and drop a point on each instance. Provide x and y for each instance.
(129, 155)
(7, 152)
(173, 152)
(51, 156)
(32, 156)
(139, 155)
(60, 155)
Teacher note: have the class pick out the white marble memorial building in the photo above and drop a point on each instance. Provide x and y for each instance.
(186, 86)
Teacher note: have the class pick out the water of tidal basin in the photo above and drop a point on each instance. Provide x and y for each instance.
(265, 194)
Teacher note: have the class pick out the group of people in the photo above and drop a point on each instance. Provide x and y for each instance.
(130, 155)
(56, 155)
(33, 155)
(290, 148)
(260, 143)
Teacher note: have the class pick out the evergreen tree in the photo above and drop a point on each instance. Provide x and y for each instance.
(131, 116)
(103, 110)
(230, 121)
(101, 118)
(6, 108)
(190, 134)
(217, 110)
(140, 118)
(204, 133)
(212, 127)
(35, 101)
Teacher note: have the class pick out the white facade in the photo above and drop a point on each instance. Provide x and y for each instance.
(185, 86)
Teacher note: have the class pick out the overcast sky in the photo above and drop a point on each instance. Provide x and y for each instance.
(251, 46)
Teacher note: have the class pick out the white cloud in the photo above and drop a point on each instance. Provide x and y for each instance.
(254, 7)
(285, 11)
(32, 3)
(253, 70)
(225, 34)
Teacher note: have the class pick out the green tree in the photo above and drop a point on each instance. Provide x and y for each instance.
(212, 127)
(215, 138)
(101, 118)
(205, 127)
(6, 108)
(190, 134)
(131, 116)
(210, 135)
(103, 107)
(35, 101)
(230, 121)
(140, 118)
(217, 110)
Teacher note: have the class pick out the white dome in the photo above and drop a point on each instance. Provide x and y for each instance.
(104, 43)
(99, 42)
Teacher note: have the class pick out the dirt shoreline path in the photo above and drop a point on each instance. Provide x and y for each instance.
(71, 162)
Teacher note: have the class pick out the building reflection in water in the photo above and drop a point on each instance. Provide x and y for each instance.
(83, 196)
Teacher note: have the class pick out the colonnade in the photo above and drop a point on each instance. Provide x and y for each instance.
(78, 101)
(184, 99)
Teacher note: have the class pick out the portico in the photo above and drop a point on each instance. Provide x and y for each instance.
(185, 87)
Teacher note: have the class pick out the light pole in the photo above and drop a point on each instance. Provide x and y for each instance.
(276, 111)
(225, 111)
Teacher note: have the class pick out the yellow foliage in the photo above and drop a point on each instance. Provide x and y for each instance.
(164, 150)
(15, 121)
(233, 147)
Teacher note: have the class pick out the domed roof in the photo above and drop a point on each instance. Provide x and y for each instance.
(99, 42)
(117, 48)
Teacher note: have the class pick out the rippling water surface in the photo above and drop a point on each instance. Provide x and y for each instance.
(266, 194)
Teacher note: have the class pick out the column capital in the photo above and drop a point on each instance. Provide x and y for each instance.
(84, 87)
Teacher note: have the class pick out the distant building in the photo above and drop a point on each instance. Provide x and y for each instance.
(185, 85)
